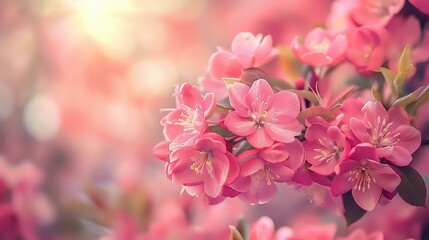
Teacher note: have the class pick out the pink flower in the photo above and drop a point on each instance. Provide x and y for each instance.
(375, 12)
(367, 48)
(388, 131)
(264, 167)
(263, 229)
(365, 176)
(262, 116)
(325, 147)
(360, 234)
(320, 48)
(246, 51)
(188, 120)
(205, 163)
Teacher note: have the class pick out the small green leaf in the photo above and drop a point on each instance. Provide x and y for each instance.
(420, 100)
(280, 84)
(234, 233)
(389, 76)
(407, 99)
(376, 94)
(243, 228)
(229, 81)
(316, 111)
(309, 95)
(412, 187)
(352, 211)
(245, 146)
(225, 133)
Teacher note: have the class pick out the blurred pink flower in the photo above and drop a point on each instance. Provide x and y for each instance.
(375, 12)
(262, 116)
(389, 132)
(277, 163)
(367, 48)
(188, 120)
(325, 147)
(206, 163)
(246, 51)
(360, 234)
(365, 176)
(320, 48)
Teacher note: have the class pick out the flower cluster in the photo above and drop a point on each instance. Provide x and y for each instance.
(242, 133)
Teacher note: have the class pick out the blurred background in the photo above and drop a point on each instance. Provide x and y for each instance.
(81, 85)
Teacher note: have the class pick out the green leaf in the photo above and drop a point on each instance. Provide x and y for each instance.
(376, 94)
(309, 95)
(280, 84)
(389, 76)
(234, 233)
(420, 100)
(243, 228)
(352, 211)
(412, 187)
(229, 81)
(225, 133)
(316, 111)
(407, 99)
(245, 146)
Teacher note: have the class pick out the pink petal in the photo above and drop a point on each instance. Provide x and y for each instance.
(316, 59)
(265, 51)
(341, 184)
(369, 198)
(384, 176)
(259, 138)
(188, 95)
(315, 131)
(222, 65)
(398, 116)
(244, 43)
(183, 174)
(250, 162)
(209, 104)
(283, 173)
(374, 112)
(259, 92)
(263, 229)
(337, 49)
(211, 142)
(239, 125)
(400, 156)
(277, 104)
(237, 98)
(296, 154)
(363, 151)
(214, 182)
(334, 133)
(261, 194)
(409, 138)
(273, 155)
(360, 130)
(234, 168)
(284, 129)
(324, 168)
(162, 151)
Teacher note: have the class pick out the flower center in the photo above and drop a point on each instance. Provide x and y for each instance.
(202, 161)
(380, 135)
(362, 178)
(186, 120)
(267, 174)
(320, 46)
(259, 112)
(329, 152)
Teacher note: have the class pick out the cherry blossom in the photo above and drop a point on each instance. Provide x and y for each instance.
(262, 116)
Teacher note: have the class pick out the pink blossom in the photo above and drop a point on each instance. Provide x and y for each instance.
(263, 229)
(262, 116)
(188, 120)
(388, 131)
(360, 234)
(320, 48)
(206, 163)
(277, 163)
(325, 147)
(367, 48)
(375, 12)
(365, 176)
(246, 51)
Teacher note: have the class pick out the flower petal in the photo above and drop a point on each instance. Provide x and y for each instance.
(237, 98)
(368, 198)
(259, 138)
(239, 125)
